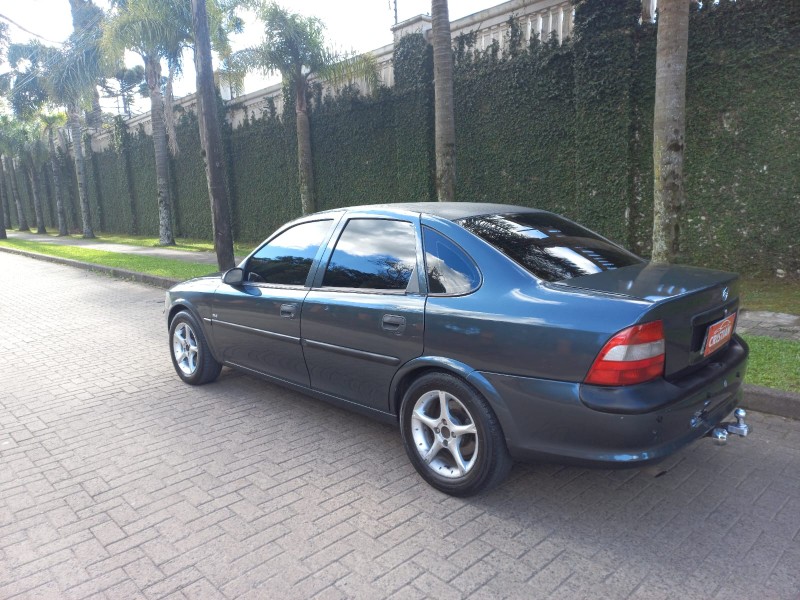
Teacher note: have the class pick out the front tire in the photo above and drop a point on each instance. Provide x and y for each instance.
(452, 436)
(189, 350)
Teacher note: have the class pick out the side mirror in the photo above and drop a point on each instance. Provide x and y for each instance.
(233, 276)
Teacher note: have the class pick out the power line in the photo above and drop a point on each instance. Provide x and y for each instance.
(41, 37)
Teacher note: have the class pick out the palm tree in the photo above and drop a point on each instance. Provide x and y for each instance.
(211, 139)
(155, 30)
(71, 82)
(445, 133)
(5, 216)
(50, 124)
(669, 126)
(63, 77)
(295, 47)
(11, 140)
(34, 156)
(87, 20)
(3, 235)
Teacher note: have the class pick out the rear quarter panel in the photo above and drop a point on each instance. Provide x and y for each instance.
(515, 325)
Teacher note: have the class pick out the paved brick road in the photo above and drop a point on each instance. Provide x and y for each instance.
(119, 481)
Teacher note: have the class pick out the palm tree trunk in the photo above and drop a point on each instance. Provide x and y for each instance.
(153, 74)
(62, 214)
(33, 181)
(94, 117)
(445, 129)
(211, 140)
(80, 170)
(669, 126)
(8, 164)
(304, 163)
(169, 114)
(3, 213)
(4, 201)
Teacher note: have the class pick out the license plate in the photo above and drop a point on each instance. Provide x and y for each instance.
(718, 334)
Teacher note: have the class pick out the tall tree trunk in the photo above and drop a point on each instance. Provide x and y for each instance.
(153, 75)
(60, 212)
(36, 197)
(169, 114)
(94, 117)
(3, 218)
(4, 199)
(304, 162)
(445, 127)
(80, 170)
(211, 139)
(8, 164)
(669, 126)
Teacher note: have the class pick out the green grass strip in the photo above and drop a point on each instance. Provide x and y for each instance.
(161, 267)
(773, 363)
(773, 294)
(191, 245)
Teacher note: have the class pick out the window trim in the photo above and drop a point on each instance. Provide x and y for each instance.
(334, 221)
(464, 252)
(325, 259)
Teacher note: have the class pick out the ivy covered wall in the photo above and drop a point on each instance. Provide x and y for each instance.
(562, 127)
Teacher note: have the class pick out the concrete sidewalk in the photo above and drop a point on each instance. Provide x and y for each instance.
(95, 244)
(759, 323)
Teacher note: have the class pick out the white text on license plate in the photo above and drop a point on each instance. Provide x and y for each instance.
(718, 334)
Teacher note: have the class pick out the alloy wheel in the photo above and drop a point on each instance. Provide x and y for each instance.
(444, 434)
(184, 348)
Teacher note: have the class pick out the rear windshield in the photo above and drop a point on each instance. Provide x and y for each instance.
(549, 246)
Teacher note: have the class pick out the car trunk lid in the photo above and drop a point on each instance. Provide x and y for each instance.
(689, 300)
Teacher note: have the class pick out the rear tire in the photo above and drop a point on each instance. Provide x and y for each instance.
(452, 436)
(189, 350)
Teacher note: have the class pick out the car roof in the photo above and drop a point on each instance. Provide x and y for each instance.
(446, 210)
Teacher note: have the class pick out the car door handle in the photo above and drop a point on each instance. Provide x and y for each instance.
(288, 311)
(394, 323)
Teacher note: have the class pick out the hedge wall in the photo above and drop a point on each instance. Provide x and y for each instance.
(563, 127)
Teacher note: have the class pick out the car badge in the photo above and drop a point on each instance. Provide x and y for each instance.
(724, 294)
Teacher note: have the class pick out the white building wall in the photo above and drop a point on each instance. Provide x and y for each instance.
(536, 17)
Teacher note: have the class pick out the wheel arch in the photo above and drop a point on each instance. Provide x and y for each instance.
(175, 309)
(183, 304)
(426, 364)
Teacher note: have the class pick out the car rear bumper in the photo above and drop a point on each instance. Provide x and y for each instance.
(571, 422)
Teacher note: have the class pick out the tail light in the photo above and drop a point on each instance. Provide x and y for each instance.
(634, 355)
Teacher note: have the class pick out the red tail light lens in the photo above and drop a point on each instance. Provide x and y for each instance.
(634, 355)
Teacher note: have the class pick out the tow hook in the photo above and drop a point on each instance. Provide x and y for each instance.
(740, 428)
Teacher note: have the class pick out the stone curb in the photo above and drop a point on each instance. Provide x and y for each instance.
(154, 280)
(774, 402)
(756, 397)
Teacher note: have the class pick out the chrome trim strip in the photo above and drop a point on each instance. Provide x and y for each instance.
(371, 356)
(261, 332)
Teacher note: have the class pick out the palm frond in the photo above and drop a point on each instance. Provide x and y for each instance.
(349, 69)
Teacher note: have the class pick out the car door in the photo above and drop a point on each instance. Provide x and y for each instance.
(364, 317)
(256, 325)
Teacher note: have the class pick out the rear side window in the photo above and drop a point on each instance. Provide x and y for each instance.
(286, 259)
(373, 254)
(549, 246)
(450, 270)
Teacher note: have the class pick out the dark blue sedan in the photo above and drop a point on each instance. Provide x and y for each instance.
(488, 332)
